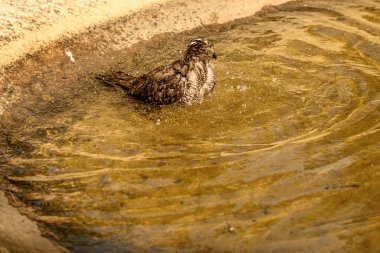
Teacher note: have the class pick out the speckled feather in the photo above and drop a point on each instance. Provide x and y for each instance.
(183, 81)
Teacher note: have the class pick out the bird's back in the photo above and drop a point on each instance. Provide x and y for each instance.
(164, 85)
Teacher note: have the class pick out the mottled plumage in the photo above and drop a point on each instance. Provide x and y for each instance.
(184, 81)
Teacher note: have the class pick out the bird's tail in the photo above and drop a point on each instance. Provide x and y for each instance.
(116, 79)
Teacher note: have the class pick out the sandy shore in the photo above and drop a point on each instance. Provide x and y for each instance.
(28, 26)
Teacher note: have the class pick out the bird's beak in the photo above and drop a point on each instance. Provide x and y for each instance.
(212, 53)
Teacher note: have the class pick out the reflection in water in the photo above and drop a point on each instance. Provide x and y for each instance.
(283, 156)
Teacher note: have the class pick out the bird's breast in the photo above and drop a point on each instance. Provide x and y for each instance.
(199, 81)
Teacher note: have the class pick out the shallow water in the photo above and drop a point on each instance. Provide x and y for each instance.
(282, 157)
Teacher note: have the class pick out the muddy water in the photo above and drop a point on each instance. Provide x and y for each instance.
(284, 156)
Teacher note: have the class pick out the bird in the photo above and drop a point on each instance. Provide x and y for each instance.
(185, 81)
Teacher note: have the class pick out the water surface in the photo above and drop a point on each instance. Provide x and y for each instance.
(282, 157)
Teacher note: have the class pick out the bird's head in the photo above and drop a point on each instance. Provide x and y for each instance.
(200, 48)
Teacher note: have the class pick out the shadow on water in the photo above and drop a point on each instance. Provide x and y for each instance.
(282, 157)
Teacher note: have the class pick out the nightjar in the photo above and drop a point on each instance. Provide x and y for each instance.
(184, 81)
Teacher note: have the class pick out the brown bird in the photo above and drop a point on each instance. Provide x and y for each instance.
(184, 81)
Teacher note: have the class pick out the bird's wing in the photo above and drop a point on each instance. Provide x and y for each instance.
(118, 78)
(163, 85)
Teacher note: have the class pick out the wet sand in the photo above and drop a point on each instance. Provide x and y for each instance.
(27, 28)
